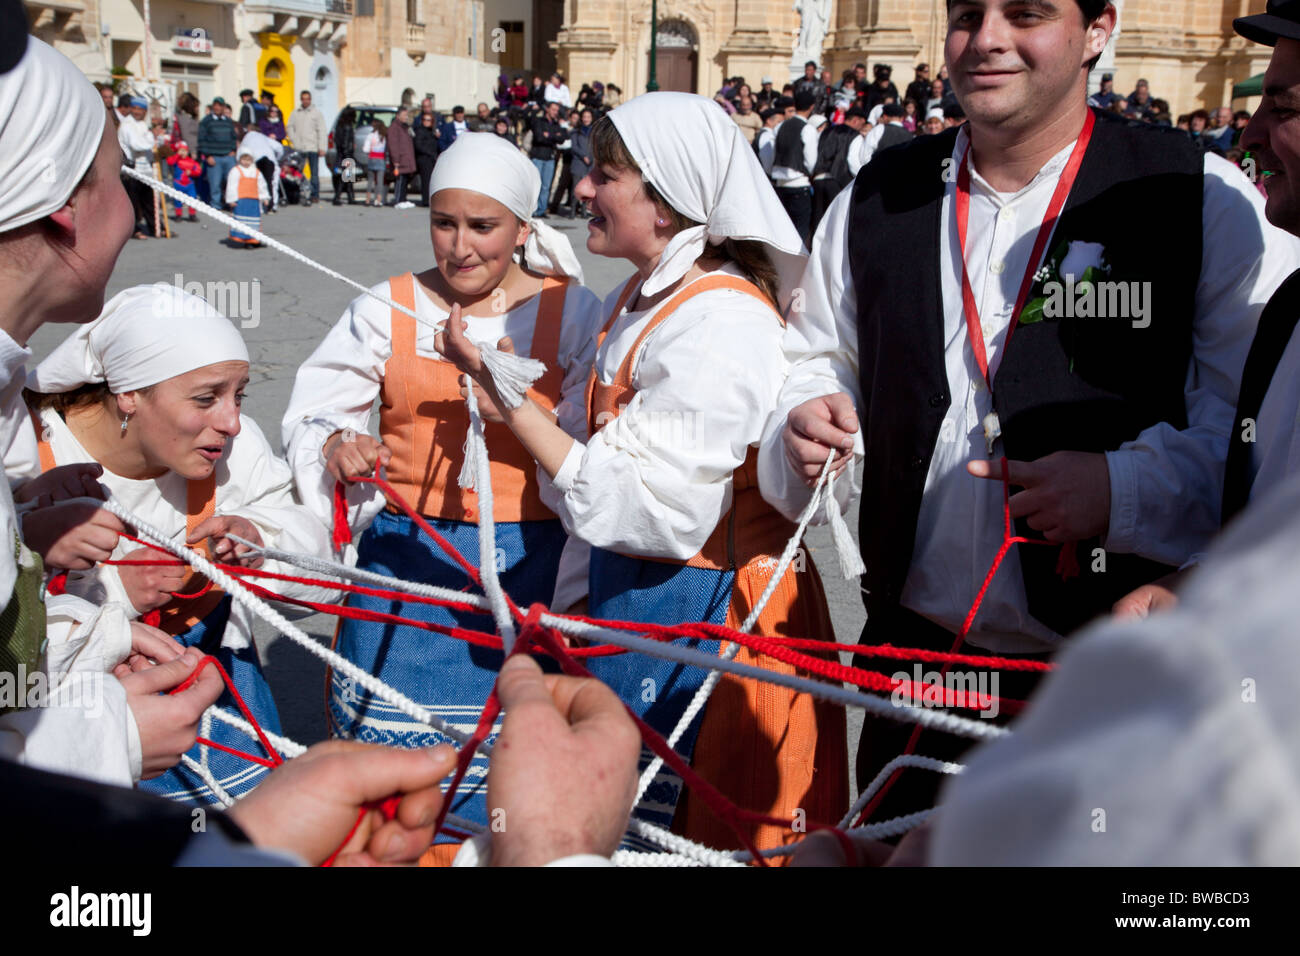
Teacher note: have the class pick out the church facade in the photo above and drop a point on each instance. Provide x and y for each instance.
(1187, 50)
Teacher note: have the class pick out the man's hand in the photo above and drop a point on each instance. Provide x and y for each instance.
(169, 723)
(1066, 494)
(150, 587)
(308, 805)
(1150, 598)
(823, 849)
(814, 428)
(348, 454)
(62, 483)
(72, 535)
(223, 548)
(563, 772)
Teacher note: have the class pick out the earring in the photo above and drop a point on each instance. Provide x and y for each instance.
(661, 222)
(125, 418)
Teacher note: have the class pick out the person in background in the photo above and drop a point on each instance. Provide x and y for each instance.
(889, 132)
(217, 144)
(613, 96)
(503, 130)
(557, 92)
(272, 124)
(920, 89)
(376, 150)
(794, 159)
(345, 170)
(138, 147)
(246, 192)
(564, 181)
(933, 123)
(548, 134)
(1105, 96)
(909, 115)
(765, 98)
(310, 136)
(426, 152)
(882, 87)
(482, 121)
(448, 131)
(186, 171)
(748, 121)
(765, 141)
(582, 161)
(401, 151)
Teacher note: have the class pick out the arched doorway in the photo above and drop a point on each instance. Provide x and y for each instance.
(678, 56)
(325, 90)
(275, 72)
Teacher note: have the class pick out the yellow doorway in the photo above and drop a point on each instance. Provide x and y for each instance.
(275, 72)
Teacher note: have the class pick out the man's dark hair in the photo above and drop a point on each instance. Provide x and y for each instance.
(804, 100)
(1091, 10)
(953, 111)
(783, 103)
(124, 99)
(812, 63)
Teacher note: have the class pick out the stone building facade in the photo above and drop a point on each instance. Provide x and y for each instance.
(1185, 48)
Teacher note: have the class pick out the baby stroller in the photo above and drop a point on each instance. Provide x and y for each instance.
(292, 179)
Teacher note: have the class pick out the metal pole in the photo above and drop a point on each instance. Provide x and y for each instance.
(653, 83)
(148, 46)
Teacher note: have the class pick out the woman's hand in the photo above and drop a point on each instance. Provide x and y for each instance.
(62, 483)
(72, 535)
(169, 723)
(452, 344)
(150, 587)
(222, 548)
(149, 648)
(487, 404)
(348, 454)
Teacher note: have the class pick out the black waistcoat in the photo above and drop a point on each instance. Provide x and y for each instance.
(789, 145)
(1062, 384)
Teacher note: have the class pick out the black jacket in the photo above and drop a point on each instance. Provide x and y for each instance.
(426, 142)
(547, 134)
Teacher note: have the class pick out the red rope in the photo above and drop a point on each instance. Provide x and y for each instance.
(341, 533)
(273, 758)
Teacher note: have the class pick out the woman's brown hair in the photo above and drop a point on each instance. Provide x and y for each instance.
(86, 396)
(608, 149)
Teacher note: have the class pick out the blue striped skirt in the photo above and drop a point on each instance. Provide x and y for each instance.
(448, 676)
(657, 592)
(248, 212)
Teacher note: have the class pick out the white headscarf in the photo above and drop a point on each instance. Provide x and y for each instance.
(697, 158)
(487, 164)
(145, 335)
(51, 121)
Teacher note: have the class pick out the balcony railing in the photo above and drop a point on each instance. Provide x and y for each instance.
(415, 36)
(315, 8)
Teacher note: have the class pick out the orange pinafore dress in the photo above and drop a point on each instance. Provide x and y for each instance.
(424, 422)
(767, 748)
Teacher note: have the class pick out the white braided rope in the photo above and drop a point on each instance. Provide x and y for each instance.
(705, 690)
(513, 367)
(487, 536)
(204, 774)
(261, 609)
(287, 748)
(902, 760)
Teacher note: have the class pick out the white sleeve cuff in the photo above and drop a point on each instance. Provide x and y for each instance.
(568, 473)
(1121, 532)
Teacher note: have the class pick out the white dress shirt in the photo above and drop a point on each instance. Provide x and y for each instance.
(337, 386)
(558, 94)
(1275, 454)
(767, 148)
(864, 147)
(787, 178)
(1165, 486)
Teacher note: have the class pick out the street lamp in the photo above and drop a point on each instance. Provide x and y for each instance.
(653, 83)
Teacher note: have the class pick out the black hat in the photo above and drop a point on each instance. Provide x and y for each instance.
(1281, 19)
(892, 109)
(804, 99)
(783, 103)
(882, 69)
(857, 111)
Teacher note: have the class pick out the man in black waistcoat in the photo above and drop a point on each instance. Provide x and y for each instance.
(795, 157)
(1111, 405)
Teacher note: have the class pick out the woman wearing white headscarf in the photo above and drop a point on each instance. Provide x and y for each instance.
(514, 277)
(151, 391)
(64, 218)
(665, 490)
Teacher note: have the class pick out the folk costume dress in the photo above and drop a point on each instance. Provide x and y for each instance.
(378, 352)
(246, 191)
(148, 334)
(666, 494)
